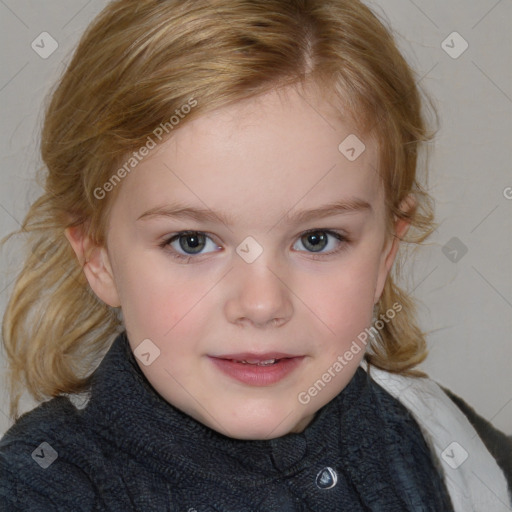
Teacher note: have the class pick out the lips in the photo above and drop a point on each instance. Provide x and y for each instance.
(257, 369)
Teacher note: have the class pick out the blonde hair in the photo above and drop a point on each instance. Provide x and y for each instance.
(136, 64)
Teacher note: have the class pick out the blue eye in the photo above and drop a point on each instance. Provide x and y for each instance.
(192, 243)
(318, 239)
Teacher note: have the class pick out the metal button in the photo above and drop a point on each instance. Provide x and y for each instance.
(327, 478)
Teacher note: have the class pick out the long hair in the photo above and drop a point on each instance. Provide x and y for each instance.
(138, 64)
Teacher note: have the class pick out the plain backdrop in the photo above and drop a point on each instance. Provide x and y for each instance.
(462, 53)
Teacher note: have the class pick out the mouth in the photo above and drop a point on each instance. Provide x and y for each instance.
(268, 362)
(257, 369)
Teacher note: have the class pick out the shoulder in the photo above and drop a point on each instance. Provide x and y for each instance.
(454, 430)
(498, 444)
(44, 452)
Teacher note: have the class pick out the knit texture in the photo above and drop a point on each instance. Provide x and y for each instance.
(130, 450)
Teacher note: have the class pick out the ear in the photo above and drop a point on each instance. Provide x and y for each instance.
(95, 263)
(400, 228)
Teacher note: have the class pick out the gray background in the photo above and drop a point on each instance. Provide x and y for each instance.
(466, 304)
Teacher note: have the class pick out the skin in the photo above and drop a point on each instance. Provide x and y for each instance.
(256, 160)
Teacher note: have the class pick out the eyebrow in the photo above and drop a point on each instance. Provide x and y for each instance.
(181, 211)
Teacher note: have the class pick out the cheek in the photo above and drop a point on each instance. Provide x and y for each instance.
(341, 305)
(154, 299)
(344, 293)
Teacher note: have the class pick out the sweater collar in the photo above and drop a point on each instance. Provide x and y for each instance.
(125, 408)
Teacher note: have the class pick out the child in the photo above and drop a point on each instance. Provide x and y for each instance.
(228, 185)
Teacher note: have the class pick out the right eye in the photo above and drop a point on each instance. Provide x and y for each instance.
(190, 242)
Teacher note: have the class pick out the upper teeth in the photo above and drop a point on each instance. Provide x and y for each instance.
(259, 363)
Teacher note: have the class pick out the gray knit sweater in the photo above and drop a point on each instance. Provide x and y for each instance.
(130, 450)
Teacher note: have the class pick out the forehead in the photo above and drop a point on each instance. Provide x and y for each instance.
(259, 157)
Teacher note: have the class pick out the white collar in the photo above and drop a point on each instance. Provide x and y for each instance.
(474, 480)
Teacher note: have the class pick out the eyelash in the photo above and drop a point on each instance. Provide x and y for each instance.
(315, 256)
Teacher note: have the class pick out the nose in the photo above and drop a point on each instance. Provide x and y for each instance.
(258, 296)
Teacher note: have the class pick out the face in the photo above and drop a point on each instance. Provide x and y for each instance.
(238, 318)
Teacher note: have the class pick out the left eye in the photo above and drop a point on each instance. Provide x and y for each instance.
(317, 240)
